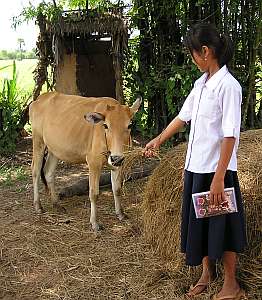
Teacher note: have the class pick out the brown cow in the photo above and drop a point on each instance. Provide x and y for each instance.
(76, 129)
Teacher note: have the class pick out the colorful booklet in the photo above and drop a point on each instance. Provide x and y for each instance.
(203, 209)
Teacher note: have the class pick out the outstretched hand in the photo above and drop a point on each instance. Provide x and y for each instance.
(151, 147)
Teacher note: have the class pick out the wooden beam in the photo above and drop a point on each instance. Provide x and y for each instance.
(82, 187)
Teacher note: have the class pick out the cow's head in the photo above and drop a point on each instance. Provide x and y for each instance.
(116, 122)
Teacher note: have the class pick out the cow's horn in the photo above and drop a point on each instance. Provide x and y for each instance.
(136, 104)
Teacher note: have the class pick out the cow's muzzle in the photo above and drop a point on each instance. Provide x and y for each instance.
(116, 160)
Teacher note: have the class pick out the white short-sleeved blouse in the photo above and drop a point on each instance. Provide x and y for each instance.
(214, 109)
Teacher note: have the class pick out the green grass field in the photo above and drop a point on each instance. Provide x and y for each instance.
(25, 70)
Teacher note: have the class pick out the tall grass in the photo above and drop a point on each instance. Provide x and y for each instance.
(12, 103)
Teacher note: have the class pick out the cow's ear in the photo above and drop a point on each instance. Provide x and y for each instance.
(134, 108)
(94, 117)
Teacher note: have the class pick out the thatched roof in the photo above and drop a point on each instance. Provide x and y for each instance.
(77, 23)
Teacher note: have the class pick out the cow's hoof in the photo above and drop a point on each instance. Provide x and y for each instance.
(39, 209)
(59, 209)
(97, 227)
(122, 216)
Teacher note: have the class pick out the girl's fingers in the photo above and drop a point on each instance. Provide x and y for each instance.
(223, 197)
(215, 200)
(148, 153)
(211, 199)
(219, 199)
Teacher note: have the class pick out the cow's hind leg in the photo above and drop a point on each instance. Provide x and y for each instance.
(49, 172)
(94, 176)
(116, 187)
(37, 161)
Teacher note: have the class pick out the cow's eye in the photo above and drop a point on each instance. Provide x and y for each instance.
(105, 126)
(129, 126)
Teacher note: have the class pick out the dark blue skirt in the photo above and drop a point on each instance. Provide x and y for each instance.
(210, 236)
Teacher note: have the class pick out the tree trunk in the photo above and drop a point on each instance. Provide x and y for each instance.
(254, 39)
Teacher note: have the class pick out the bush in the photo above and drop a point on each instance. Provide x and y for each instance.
(12, 103)
(4, 54)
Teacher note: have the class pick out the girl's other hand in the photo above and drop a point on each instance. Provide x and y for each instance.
(217, 194)
(151, 147)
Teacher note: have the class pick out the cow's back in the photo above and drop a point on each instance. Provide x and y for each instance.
(59, 120)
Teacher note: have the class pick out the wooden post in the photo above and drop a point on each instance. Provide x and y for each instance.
(40, 72)
(117, 68)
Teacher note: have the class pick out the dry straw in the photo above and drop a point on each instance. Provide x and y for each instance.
(161, 209)
(135, 161)
(58, 257)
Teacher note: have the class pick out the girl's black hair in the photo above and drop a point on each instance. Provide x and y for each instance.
(205, 34)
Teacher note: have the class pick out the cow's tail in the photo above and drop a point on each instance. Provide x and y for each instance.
(42, 169)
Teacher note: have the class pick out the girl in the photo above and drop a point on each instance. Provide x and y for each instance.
(214, 109)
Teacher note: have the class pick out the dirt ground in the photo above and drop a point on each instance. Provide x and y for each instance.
(57, 256)
(54, 256)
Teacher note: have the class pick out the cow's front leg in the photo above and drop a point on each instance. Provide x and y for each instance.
(94, 176)
(116, 187)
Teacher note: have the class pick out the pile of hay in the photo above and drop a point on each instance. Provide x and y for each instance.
(161, 209)
(135, 162)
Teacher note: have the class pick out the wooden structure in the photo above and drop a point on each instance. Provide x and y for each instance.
(85, 51)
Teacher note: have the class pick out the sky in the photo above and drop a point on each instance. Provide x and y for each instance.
(9, 36)
(28, 32)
